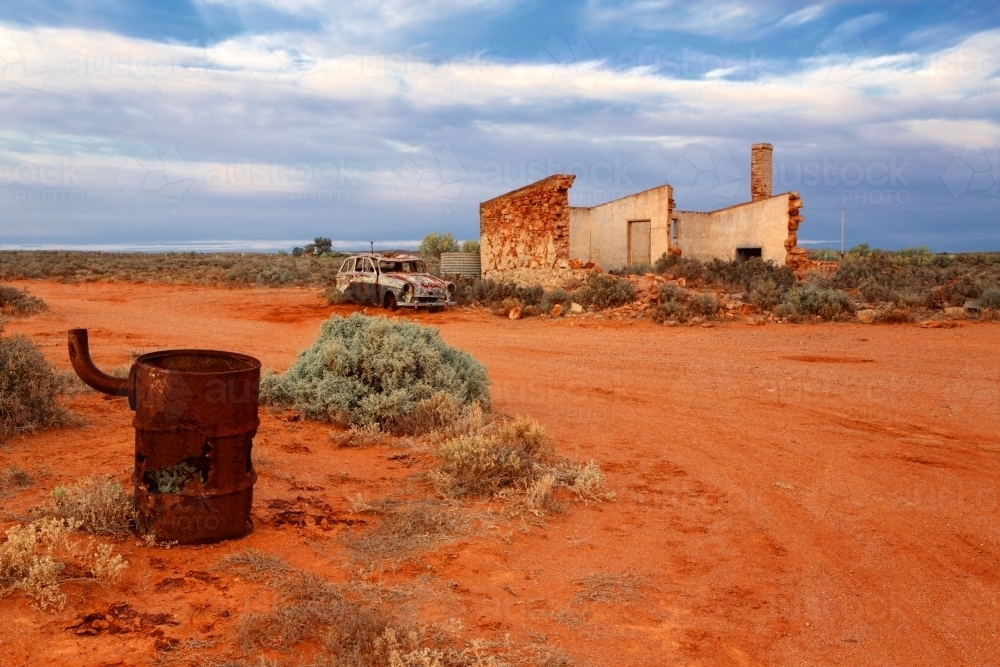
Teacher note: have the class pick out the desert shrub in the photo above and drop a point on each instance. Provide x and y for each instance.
(28, 389)
(502, 296)
(555, 297)
(273, 276)
(34, 556)
(810, 300)
(990, 299)
(606, 291)
(470, 246)
(334, 296)
(861, 250)
(634, 270)
(671, 292)
(764, 295)
(744, 276)
(933, 281)
(873, 290)
(908, 299)
(897, 314)
(679, 267)
(531, 295)
(16, 303)
(98, 504)
(703, 304)
(489, 463)
(671, 310)
(490, 292)
(672, 304)
(364, 370)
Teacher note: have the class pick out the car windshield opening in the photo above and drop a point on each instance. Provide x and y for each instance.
(409, 266)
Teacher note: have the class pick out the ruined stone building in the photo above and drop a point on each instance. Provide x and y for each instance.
(533, 235)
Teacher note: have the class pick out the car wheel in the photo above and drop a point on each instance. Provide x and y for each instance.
(390, 301)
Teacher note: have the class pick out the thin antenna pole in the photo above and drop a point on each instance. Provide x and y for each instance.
(842, 232)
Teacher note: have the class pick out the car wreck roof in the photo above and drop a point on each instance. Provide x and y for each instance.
(396, 257)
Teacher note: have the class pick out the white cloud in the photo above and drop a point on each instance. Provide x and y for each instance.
(803, 16)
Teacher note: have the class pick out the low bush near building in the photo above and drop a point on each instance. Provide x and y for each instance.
(679, 267)
(704, 305)
(744, 276)
(18, 303)
(990, 299)
(29, 389)
(369, 370)
(801, 303)
(605, 291)
(765, 295)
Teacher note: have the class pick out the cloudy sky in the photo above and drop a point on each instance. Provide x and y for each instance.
(258, 123)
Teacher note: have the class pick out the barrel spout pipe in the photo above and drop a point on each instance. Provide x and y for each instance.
(79, 356)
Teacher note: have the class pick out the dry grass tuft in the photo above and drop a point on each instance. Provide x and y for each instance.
(313, 609)
(13, 479)
(360, 437)
(255, 565)
(585, 481)
(607, 588)
(487, 463)
(513, 461)
(406, 528)
(346, 625)
(98, 504)
(34, 555)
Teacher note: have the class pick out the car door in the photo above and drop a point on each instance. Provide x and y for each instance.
(345, 275)
(366, 281)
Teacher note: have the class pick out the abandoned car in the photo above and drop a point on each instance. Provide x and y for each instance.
(393, 281)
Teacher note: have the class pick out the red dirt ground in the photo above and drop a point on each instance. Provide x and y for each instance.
(786, 494)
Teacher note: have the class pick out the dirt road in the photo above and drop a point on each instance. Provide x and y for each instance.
(786, 494)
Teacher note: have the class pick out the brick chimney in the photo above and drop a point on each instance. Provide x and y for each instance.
(760, 171)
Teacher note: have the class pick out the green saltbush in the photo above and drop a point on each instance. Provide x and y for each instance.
(990, 299)
(606, 291)
(807, 301)
(370, 370)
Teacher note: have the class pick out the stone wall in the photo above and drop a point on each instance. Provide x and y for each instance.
(527, 229)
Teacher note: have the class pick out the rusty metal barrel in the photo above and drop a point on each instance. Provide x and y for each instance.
(195, 420)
